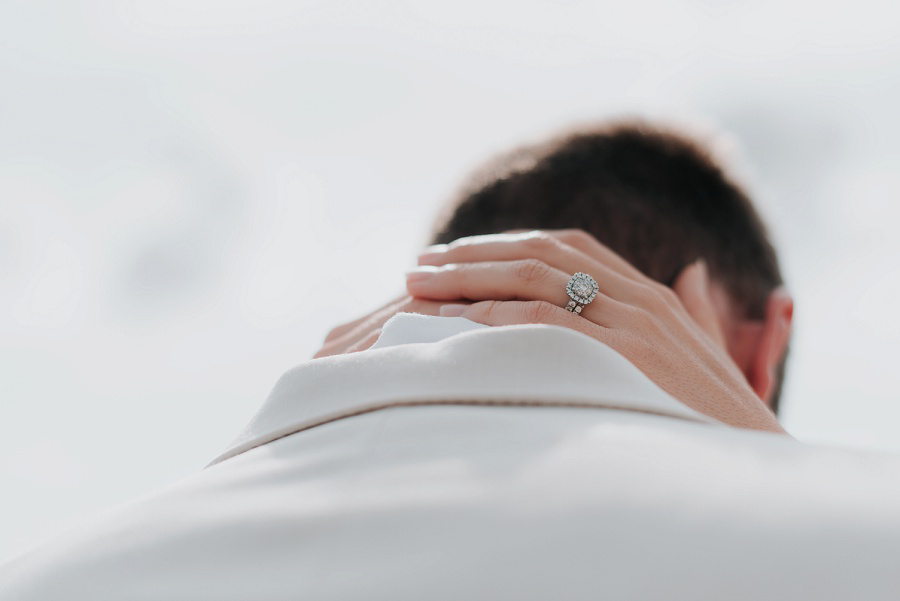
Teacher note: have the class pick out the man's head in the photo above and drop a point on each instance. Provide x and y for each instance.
(660, 201)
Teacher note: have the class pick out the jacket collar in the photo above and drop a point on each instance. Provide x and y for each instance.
(421, 360)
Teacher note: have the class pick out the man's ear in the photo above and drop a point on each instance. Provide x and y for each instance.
(772, 344)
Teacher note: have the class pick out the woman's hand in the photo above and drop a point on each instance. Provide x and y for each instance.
(673, 336)
(360, 334)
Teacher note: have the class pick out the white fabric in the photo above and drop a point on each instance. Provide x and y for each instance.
(580, 480)
(531, 363)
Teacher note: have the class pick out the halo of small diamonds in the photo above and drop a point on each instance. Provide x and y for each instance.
(582, 288)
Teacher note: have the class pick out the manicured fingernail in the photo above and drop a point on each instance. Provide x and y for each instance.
(432, 254)
(420, 274)
(452, 310)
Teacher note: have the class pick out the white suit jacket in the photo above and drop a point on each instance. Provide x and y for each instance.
(458, 462)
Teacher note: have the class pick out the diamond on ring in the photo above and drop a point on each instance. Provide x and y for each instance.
(582, 289)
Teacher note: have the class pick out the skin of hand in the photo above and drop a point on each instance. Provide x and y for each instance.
(360, 334)
(671, 334)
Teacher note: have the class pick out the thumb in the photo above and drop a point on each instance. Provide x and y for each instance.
(692, 287)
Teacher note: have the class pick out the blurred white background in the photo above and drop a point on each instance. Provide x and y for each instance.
(182, 183)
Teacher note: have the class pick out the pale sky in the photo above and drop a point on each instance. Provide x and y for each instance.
(186, 186)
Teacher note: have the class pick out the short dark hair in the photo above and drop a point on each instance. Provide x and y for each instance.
(653, 195)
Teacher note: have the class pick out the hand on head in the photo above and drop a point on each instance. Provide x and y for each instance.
(675, 336)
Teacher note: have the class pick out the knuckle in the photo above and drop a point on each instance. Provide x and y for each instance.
(538, 311)
(531, 271)
(576, 237)
(490, 310)
(658, 297)
(668, 297)
(539, 241)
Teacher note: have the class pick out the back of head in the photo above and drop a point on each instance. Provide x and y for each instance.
(654, 196)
